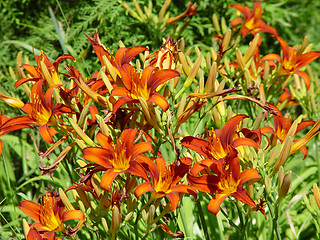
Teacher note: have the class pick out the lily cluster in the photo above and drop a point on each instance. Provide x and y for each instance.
(148, 131)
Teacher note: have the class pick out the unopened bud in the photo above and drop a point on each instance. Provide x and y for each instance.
(316, 194)
(280, 176)
(285, 151)
(81, 133)
(11, 101)
(306, 201)
(240, 59)
(144, 215)
(151, 215)
(104, 224)
(65, 200)
(26, 227)
(226, 40)
(116, 219)
(285, 186)
(267, 183)
(215, 22)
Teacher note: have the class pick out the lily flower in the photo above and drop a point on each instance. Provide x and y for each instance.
(292, 60)
(33, 234)
(142, 85)
(45, 70)
(8, 125)
(50, 215)
(164, 181)
(119, 157)
(41, 110)
(123, 55)
(252, 22)
(221, 143)
(282, 125)
(227, 183)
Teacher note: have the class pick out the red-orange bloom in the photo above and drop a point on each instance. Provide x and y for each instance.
(137, 85)
(229, 182)
(123, 55)
(164, 181)
(282, 125)
(221, 142)
(50, 215)
(37, 73)
(41, 110)
(292, 60)
(122, 156)
(252, 23)
(33, 234)
(8, 125)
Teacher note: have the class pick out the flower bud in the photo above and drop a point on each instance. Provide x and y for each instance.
(150, 218)
(267, 183)
(280, 176)
(11, 101)
(285, 186)
(65, 200)
(316, 194)
(116, 219)
(26, 227)
(306, 201)
(104, 224)
(81, 133)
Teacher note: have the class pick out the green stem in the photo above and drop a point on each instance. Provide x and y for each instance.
(275, 225)
(230, 221)
(136, 226)
(202, 220)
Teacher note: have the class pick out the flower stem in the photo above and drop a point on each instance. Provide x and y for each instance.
(202, 220)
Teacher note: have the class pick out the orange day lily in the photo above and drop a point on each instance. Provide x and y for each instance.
(292, 60)
(33, 234)
(8, 125)
(282, 125)
(221, 143)
(228, 182)
(142, 85)
(41, 110)
(164, 181)
(50, 74)
(123, 55)
(115, 158)
(252, 23)
(50, 215)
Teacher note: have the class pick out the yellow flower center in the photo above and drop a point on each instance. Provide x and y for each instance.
(48, 219)
(121, 163)
(216, 148)
(41, 114)
(228, 184)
